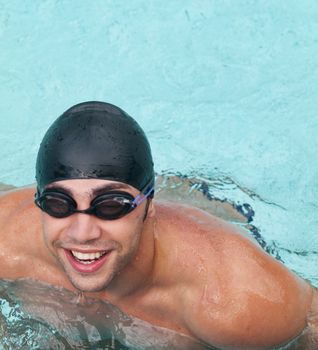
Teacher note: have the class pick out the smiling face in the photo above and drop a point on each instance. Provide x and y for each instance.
(92, 251)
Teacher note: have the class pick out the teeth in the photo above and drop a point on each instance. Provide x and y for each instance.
(88, 256)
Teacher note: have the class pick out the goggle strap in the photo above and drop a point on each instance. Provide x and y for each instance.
(142, 196)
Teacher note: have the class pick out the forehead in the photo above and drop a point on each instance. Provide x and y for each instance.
(91, 187)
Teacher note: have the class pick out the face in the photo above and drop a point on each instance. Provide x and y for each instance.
(92, 251)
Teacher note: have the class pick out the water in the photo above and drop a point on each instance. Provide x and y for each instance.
(225, 90)
(58, 319)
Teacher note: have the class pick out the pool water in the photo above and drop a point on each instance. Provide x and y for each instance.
(58, 319)
(225, 90)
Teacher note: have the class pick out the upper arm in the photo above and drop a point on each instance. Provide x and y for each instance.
(249, 301)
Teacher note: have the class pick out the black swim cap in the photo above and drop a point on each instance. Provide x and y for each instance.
(95, 140)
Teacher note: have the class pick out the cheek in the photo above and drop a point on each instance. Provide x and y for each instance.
(126, 231)
(51, 228)
(135, 234)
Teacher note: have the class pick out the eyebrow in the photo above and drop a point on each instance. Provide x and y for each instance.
(100, 190)
(94, 192)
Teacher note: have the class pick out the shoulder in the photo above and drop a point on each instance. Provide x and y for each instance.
(17, 209)
(19, 225)
(15, 201)
(237, 296)
(193, 227)
(189, 218)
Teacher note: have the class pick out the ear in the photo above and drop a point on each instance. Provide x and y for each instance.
(151, 209)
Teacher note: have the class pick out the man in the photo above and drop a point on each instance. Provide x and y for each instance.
(96, 229)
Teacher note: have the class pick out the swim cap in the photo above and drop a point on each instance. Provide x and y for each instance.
(95, 140)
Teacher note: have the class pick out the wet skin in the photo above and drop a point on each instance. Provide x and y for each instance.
(180, 268)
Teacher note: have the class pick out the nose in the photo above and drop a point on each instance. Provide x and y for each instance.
(83, 228)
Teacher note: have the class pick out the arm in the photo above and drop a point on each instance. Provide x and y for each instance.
(251, 301)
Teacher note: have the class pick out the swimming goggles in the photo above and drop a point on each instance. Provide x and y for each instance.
(111, 205)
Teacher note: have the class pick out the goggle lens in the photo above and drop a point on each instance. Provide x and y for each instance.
(111, 208)
(56, 205)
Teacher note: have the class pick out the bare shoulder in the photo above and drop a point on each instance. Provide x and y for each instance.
(239, 295)
(183, 219)
(15, 201)
(19, 226)
(197, 228)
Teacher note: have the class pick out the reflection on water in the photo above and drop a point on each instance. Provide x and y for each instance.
(36, 315)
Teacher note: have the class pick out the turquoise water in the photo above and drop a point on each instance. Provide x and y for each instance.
(225, 90)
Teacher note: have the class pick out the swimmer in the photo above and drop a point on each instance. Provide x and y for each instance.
(92, 225)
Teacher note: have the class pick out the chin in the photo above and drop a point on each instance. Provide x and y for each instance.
(99, 280)
(89, 284)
